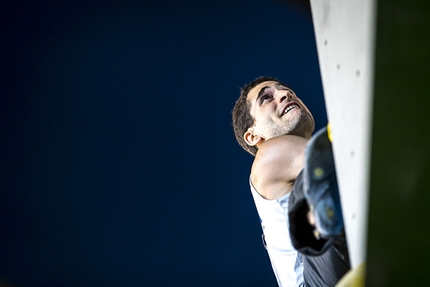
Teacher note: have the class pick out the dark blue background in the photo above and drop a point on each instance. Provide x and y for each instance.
(119, 166)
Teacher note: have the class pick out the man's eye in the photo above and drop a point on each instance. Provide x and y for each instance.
(265, 97)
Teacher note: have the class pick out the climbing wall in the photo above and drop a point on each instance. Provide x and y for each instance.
(344, 32)
(374, 60)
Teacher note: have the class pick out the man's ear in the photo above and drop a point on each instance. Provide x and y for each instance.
(253, 138)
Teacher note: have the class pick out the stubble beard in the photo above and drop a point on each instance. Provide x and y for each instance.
(303, 125)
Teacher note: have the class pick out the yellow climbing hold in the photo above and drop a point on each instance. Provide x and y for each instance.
(354, 277)
(329, 132)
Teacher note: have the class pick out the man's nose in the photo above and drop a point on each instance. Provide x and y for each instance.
(284, 96)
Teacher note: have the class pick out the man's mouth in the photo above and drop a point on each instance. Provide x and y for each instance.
(289, 107)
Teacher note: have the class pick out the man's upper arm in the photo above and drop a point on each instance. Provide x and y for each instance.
(277, 164)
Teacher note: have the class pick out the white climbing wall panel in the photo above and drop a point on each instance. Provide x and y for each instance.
(344, 31)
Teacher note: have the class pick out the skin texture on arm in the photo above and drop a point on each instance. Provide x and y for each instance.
(277, 164)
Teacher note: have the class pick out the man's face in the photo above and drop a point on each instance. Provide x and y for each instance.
(278, 111)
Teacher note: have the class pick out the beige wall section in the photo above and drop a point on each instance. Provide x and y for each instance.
(344, 31)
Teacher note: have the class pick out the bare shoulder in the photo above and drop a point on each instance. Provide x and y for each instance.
(278, 162)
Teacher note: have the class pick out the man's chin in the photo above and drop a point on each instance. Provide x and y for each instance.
(304, 127)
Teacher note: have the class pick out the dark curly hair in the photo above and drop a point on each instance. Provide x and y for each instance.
(242, 119)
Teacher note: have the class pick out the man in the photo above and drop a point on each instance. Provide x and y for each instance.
(275, 126)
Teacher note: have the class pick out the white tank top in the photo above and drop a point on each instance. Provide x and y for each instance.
(286, 262)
